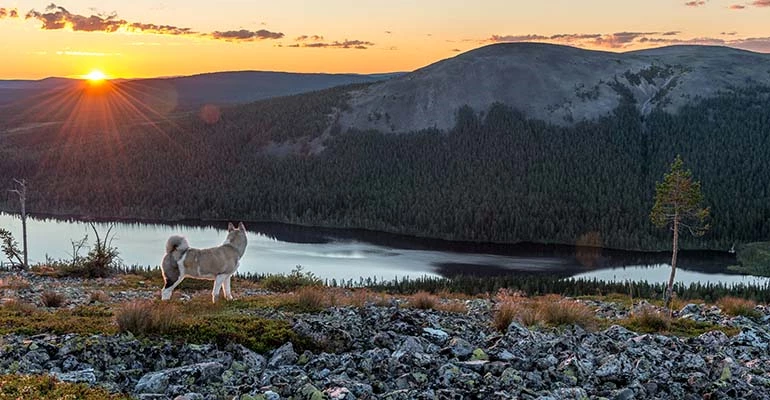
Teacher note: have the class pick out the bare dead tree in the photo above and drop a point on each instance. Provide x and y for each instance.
(21, 191)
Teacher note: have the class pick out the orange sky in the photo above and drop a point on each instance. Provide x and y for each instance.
(145, 38)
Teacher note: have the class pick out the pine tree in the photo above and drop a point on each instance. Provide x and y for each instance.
(678, 203)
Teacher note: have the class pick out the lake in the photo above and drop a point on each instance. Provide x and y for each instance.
(344, 254)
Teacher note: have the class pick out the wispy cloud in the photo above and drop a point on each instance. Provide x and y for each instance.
(308, 37)
(737, 7)
(86, 54)
(345, 44)
(612, 40)
(56, 17)
(761, 3)
(695, 3)
(9, 13)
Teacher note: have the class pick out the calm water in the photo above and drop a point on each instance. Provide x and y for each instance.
(348, 254)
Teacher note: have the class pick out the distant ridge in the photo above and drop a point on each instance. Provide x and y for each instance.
(558, 84)
(220, 88)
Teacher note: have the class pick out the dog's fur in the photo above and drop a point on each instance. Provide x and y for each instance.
(217, 263)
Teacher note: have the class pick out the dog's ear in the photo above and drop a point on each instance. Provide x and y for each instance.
(241, 226)
(230, 227)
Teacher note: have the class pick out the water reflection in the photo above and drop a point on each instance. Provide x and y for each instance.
(352, 254)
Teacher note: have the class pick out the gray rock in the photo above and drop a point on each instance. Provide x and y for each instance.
(284, 355)
(85, 376)
(435, 335)
(159, 382)
(460, 348)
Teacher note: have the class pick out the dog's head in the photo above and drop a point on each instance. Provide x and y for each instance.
(237, 236)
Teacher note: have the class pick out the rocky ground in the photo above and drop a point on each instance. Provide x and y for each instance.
(393, 352)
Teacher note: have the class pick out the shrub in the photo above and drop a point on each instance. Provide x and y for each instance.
(736, 306)
(14, 387)
(289, 283)
(144, 318)
(423, 301)
(52, 299)
(98, 296)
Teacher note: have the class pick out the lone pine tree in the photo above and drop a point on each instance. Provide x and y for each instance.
(678, 203)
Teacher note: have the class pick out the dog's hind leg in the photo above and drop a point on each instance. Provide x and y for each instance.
(228, 293)
(218, 283)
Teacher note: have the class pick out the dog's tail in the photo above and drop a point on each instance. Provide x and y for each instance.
(176, 245)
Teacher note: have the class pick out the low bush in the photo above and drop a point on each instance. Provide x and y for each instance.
(52, 299)
(289, 283)
(98, 296)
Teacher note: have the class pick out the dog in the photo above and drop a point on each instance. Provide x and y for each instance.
(217, 263)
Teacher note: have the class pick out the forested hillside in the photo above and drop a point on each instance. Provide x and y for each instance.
(494, 177)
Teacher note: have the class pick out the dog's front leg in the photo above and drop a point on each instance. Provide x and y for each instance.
(218, 282)
(165, 294)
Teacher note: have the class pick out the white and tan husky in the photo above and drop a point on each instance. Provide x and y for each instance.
(217, 263)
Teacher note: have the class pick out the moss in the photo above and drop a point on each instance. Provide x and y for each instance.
(13, 387)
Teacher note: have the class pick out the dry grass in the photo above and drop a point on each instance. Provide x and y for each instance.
(506, 313)
(52, 299)
(649, 320)
(313, 298)
(98, 296)
(14, 283)
(452, 306)
(546, 310)
(147, 318)
(736, 306)
(423, 301)
(560, 312)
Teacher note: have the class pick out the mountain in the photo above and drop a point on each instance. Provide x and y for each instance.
(218, 88)
(506, 167)
(558, 84)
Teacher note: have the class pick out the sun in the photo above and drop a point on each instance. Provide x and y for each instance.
(95, 76)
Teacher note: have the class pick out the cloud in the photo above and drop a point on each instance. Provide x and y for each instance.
(761, 3)
(56, 17)
(737, 7)
(456, 50)
(245, 35)
(612, 40)
(637, 40)
(695, 3)
(346, 44)
(308, 37)
(8, 13)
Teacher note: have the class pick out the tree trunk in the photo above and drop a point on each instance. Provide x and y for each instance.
(670, 289)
